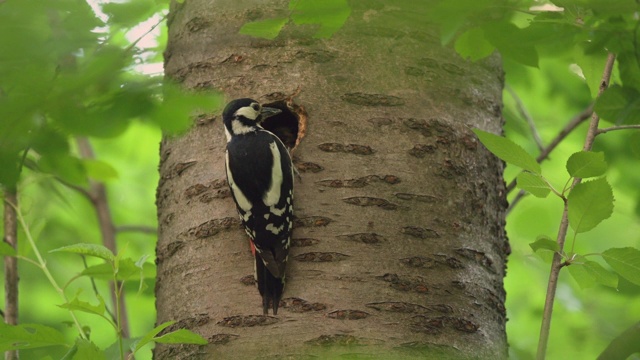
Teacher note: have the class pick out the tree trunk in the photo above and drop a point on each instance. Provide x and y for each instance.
(399, 247)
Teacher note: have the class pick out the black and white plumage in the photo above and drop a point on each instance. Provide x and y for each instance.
(260, 176)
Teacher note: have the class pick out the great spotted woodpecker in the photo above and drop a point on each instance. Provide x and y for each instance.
(260, 176)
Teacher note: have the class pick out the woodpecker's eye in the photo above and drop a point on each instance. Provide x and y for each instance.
(255, 106)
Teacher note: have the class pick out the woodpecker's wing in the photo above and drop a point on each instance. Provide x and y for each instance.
(259, 172)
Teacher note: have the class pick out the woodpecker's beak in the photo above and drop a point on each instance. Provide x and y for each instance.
(268, 112)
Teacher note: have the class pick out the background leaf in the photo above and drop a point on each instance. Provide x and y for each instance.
(78, 305)
(28, 336)
(544, 243)
(601, 275)
(268, 29)
(625, 261)
(149, 336)
(472, 44)
(586, 164)
(533, 183)
(88, 249)
(508, 151)
(87, 350)
(330, 15)
(580, 274)
(181, 336)
(620, 105)
(6, 249)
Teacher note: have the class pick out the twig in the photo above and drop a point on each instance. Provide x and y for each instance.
(42, 264)
(519, 196)
(615, 128)
(527, 117)
(98, 196)
(556, 264)
(571, 125)
(136, 41)
(137, 228)
(11, 265)
(95, 290)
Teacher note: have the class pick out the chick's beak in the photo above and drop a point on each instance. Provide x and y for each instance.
(269, 112)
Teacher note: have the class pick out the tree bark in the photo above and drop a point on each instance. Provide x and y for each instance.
(399, 247)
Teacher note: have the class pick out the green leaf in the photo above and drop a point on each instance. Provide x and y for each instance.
(329, 14)
(620, 105)
(130, 13)
(88, 249)
(624, 261)
(512, 42)
(127, 270)
(28, 336)
(601, 275)
(181, 336)
(78, 305)
(67, 168)
(112, 352)
(580, 274)
(544, 243)
(452, 15)
(472, 44)
(629, 68)
(508, 151)
(99, 170)
(589, 204)
(50, 141)
(267, 29)
(87, 350)
(149, 336)
(6, 249)
(586, 164)
(140, 264)
(173, 115)
(533, 183)
(591, 65)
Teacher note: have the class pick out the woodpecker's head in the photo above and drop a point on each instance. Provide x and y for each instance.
(242, 116)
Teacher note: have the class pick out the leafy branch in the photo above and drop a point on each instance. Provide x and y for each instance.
(42, 264)
(585, 205)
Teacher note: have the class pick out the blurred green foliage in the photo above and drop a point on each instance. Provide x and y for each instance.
(65, 72)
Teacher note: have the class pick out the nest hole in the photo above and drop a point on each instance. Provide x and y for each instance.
(286, 125)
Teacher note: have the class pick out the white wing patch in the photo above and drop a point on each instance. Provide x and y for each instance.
(241, 199)
(275, 211)
(272, 196)
(275, 230)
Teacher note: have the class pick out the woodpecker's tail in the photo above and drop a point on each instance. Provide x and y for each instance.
(270, 287)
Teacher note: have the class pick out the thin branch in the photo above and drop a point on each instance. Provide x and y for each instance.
(137, 228)
(556, 264)
(95, 290)
(519, 196)
(42, 264)
(595, 119)
(616, 128)
(527, 117)
(98, 196)
(571, 125)
(11, 265)
(136, 41)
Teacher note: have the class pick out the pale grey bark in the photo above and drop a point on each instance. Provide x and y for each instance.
(399, 245)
